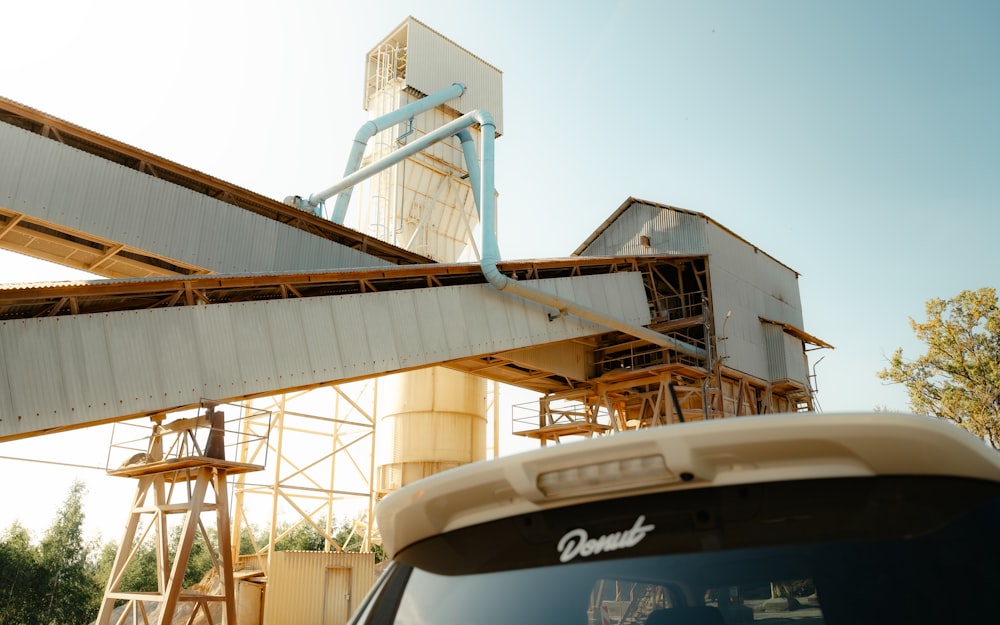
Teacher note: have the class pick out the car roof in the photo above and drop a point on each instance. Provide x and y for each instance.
(740, 450)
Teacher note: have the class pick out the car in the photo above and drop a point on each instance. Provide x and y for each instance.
(784, 519)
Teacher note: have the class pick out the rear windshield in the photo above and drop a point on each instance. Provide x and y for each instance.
(854, 551)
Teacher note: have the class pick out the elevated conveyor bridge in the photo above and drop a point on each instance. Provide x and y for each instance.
(217, 292)
(81, 353)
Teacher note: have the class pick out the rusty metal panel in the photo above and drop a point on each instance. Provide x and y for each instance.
(310, 586)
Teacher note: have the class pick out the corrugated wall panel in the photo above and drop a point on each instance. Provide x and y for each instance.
(211, 350)
(75, 171)
(478, 329)
(299, 589)
(318, 316)
(409, 334)
(744, 346)
(130, 205)
(152, 360)
(179, 227)
(57, 183)
(257, 361)
(434, 63)
(288, 340)
(751, 284)
(432, 327)
(669, 232)
(385, 356)
(7, 368)
(456, 334)
(349, 333)
(774, 340)
(795, 362)
(501, 321)
(34, 189)
(14, 144)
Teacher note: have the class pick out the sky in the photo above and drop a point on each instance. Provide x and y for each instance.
(857, 142)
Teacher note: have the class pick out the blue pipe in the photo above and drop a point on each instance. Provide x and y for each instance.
(471, 163)
(372, 128)
(483, 173)
(491, 256)
(451, 128)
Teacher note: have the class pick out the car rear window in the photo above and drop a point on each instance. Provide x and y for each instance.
(866, 550)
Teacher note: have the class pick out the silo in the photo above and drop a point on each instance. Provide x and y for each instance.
(432, 419)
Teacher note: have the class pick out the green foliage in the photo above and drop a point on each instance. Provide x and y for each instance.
(959, 377)
(61, 579)
(52, 583)
(19, 574)
(70, 595)
(305, 537)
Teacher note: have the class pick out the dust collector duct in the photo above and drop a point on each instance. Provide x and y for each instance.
(491, 256)
(372, 128)
(486, 203)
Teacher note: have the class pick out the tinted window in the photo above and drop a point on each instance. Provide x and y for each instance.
(839, 551)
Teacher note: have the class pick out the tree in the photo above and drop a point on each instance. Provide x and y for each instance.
(55, 582)
(958, 379)
(69, 595)
(304, 537)
(19, 574)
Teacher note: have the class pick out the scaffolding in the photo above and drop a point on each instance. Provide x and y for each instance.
(182, 467)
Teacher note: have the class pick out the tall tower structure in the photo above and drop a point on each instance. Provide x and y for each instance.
(424, 204)
(431, 419)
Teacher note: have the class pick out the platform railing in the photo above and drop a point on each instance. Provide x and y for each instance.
(217, 431)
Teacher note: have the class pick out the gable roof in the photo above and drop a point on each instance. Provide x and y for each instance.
(579, 251)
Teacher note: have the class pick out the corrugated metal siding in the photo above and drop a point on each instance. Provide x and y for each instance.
(669, 232)
(751, 284)
(795, 361)
(57, 183)
(299, 588)
(777, 361)
(78, 369)
(785, 358)
(434, 62)
(743, 347)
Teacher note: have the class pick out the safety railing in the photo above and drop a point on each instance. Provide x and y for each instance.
(215, 431)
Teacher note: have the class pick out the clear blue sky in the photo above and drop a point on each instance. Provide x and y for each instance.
(857, 142)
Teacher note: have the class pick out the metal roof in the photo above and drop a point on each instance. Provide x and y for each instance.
(582, 249)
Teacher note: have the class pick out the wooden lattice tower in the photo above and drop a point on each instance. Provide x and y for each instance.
(182, 472)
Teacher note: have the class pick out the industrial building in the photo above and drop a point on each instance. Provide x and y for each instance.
(392, 310)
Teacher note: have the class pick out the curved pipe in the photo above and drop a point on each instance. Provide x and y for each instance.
(471, 163)
(372, 128)
(491, 256)
(451, 128)
(482, 171)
